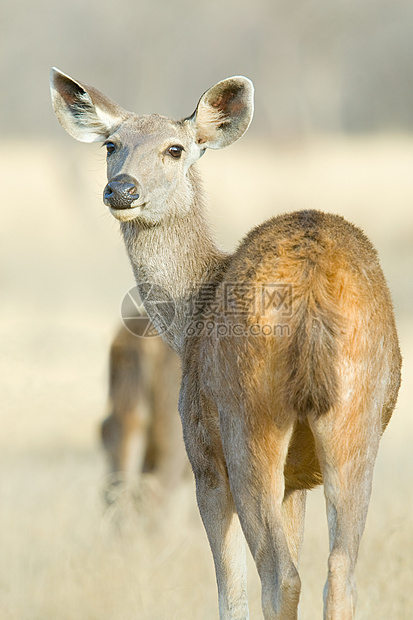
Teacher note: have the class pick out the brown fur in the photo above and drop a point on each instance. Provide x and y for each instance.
(275, 398)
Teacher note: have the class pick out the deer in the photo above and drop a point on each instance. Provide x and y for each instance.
(142, 434)
(290, 358)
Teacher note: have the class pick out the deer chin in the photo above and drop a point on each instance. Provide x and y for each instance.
(126, 215)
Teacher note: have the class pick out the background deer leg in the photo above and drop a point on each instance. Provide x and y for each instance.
(124, 437)
(125, 431)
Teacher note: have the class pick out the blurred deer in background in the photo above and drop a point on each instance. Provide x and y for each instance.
(290, 357)
(143, 433)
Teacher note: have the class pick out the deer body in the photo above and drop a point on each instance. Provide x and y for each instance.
(275, 397)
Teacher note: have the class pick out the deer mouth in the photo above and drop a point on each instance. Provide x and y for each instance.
(125, 214)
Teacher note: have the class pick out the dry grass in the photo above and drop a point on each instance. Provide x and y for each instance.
(62, 275)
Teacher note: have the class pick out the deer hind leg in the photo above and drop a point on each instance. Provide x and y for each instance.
(293, 518)
(256, 471)
(347, 443)
(227, 543)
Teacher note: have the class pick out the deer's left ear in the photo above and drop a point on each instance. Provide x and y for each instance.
(224, 112)
(86, 113)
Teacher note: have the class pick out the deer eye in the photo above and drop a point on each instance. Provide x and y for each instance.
(110, 148)
(176, 151)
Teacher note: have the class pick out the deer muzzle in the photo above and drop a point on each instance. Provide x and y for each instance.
(121, 192)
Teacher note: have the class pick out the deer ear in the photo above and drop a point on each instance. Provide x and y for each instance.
(85, 113)
(224, 112)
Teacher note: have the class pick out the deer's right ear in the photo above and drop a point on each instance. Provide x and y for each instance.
(85, 113)
(224, 112)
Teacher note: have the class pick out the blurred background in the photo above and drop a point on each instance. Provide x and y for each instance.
(333, 130)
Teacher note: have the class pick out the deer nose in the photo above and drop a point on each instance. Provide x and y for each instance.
(120, 192)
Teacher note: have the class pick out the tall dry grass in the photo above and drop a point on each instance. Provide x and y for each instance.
(62, 276)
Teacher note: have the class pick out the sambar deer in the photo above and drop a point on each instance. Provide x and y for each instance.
(290, 357)
(142, 434)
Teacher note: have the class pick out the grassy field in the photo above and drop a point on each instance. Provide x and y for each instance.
(63, 273)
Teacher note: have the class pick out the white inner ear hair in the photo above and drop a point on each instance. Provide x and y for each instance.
(209, 119)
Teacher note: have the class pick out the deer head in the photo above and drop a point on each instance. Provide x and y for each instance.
(149, 157)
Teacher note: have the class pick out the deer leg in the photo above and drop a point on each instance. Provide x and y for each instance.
(227, 544)
(124, 436)
(124, 439)
(293, 519)
(347, 454)
(256, 472)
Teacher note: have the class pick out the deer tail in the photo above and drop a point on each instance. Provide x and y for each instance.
(310, 357)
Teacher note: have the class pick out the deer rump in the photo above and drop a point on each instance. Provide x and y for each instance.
(300, 368)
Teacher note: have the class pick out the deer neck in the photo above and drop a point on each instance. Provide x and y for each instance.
(171, 262)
